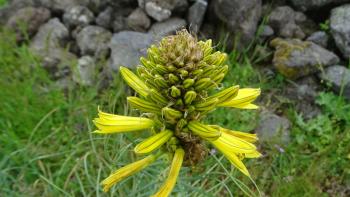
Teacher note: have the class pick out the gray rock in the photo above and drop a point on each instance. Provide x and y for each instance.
(303, 93)
(339, 78)
(93, 40)
(241, 18)
(57, 61)
(119, 23)
(168, 27)
(320, 38)
(138, 20)
(294, 58)
(273, 128)
(77, 16)
(29, 17)
(104, 19)
(84, 74)
(284, 21)
(157, 12)
(340, 28)
(196, 14)
(314, 4)
(52, 34)
(61, 5)
(175, 6)
(127, 47)
(12, 7)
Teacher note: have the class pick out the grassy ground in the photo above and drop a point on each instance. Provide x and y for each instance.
(47, 147)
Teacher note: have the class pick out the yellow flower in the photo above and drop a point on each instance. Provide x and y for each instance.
(169, 184)
(127, 171)
(231, 146)
(153, 142)
(110, 123)
(174, 88)
(244, 99)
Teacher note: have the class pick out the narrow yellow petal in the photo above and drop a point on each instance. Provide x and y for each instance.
(238, 164)
(244, 97)
(110, 123)
(233, 144)
(126, 171)
(144, 105)
(232, 157)
(226, 94)
(134, 82)
(244, 136)
(153, 142)
(169, 184)
(255, 154)
(247, 106)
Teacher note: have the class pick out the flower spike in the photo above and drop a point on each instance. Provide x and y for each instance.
(177, 85)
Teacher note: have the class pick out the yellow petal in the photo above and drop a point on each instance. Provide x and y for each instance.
(254, 154)
(226, 94)
(153, 142)
(110, 123)
(144, 105)
(134, 82)
(233, 144)
(247, 106)
(232, 157)
(169, 184)
(126, 171)
(244, 97)
(244, 136)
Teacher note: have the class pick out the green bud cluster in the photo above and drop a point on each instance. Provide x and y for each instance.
(180, 73)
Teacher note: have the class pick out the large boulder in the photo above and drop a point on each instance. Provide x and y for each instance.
(196, 14)
(77, 16)
(340, 28)
(304, 5)
(138, 20)
(284, 22)
(84, 72)
(52, 34)
(273, 128)
(319, 37)
(302, 94)
(162, 10)
(12, 7)
(168, 27)
(294, 58)
(127, 47)
(105, 17)
(339, 78)
(93, 40)
(29, 18)
(240, 17)
(61, 5)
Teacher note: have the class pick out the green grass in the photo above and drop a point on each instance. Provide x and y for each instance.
(47, 147)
